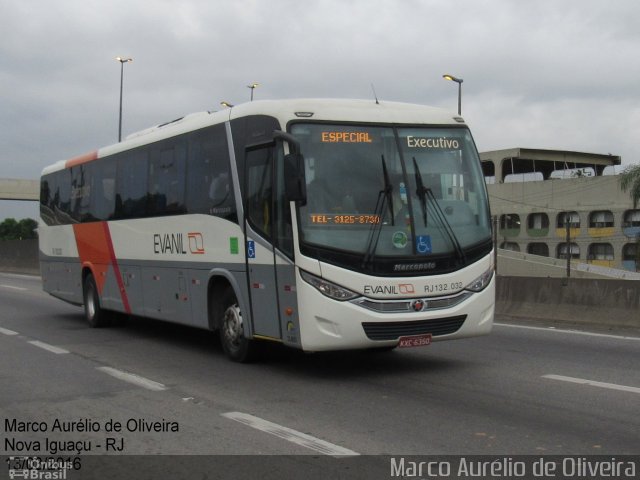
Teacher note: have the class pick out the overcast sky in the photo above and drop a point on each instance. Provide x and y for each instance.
(537, 73)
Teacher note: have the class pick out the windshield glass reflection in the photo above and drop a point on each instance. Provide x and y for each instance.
(385, 192)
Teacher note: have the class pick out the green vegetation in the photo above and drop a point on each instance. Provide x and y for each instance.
(10, 229)
(630, 180)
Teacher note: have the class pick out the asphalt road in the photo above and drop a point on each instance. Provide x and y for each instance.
(519, 391)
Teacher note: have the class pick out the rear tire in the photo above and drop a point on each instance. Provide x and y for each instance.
(93, 312)
(232, 335)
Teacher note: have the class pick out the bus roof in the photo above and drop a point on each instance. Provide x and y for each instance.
(364, 111)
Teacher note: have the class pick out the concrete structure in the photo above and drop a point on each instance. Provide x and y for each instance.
(20, 256)
(500, 163)
(532, 215)
(602, 303)
(19, 189)
(517, 264)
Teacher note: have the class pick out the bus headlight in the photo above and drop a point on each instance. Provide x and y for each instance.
(329, 289)
(481, 282)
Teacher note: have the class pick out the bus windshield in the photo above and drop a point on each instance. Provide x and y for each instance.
(392, 193)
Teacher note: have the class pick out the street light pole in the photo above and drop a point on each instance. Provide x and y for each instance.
(122, 62)
(459, 82)
(252, 87)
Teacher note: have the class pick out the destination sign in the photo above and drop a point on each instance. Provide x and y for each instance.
(431, 142)
(346, 137)
(343, 219)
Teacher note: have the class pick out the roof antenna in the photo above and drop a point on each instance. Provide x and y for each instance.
(374, 94)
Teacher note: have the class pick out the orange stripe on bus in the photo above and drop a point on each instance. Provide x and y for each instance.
(79, 160)
(116, 269)
(95, 249)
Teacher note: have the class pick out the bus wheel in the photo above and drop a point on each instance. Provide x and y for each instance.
(93, 312)
(235, 345)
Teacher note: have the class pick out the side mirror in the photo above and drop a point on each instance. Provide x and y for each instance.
(295, 184)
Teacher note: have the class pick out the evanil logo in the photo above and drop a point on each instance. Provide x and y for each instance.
(173, 243)
(400, 289)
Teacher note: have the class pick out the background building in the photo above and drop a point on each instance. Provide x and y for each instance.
(555, 203)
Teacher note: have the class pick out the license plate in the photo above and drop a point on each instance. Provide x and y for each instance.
(415, 341)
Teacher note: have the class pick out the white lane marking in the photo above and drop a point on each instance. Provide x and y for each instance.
(6, 331)
(132, 378)
(12, 287)
(46, 346)
(574, 332)
(592, 383)
(19, 275)
(291, 435)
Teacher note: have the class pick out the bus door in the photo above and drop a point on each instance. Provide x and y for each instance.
(259, 241)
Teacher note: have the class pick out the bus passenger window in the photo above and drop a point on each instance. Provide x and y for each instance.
(210, 188)
(259, 201)
(132, 185)
(219, 189)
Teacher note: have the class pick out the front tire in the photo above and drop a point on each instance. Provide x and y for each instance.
(93, 312)
(232, 335)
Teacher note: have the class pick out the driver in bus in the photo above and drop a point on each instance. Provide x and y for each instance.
(329, 190)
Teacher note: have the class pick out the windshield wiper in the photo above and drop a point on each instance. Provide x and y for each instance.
(421, 191)
(424, 192)
(384, 198)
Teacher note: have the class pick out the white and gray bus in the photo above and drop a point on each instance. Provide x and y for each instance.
(320, 224)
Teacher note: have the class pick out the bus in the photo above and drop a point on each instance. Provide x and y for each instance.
(322, 224)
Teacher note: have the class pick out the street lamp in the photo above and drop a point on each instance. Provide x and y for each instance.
(252, 87)
(226, 104)
(459, 82)
(122, 62)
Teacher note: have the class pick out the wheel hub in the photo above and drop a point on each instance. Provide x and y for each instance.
(232, 325)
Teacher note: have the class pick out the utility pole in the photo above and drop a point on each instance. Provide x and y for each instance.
(495, 243)
(122, 62)
(568, 240)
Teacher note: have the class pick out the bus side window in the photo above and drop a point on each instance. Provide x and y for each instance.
(259, 181)
(166, 179)
(62, 198)
(219, 189)
(81, 192)
(46, 199)
(210, 188)
(132, 185)
(282, 212)
(103, 190)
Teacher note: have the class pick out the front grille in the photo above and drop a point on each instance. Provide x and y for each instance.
(400, 306)
(395, 330)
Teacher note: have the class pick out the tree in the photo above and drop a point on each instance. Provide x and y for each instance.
(10, 229)
(27, 228)
(630, 181)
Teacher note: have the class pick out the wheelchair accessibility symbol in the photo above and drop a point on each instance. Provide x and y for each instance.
(251, 249)
(423, 244)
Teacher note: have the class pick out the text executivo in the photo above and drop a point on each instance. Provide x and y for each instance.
(440, 142)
